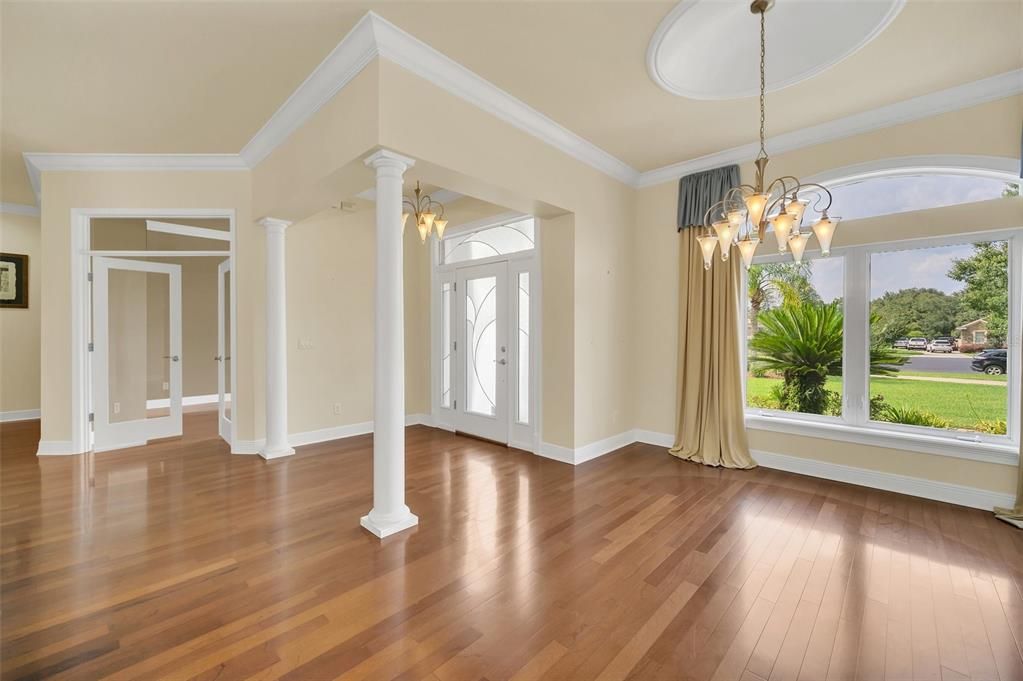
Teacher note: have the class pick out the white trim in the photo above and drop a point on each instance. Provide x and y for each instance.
(159, 254)
(38, 163)
(444, 196)
(995, 167)
(19, 415)
(947, 492)
(818, 67)
(589, 452)
(185, 401)
(187, 230)
(925, 106)
(56, 448)
(312, 437)
(498, 220)
(19, 209)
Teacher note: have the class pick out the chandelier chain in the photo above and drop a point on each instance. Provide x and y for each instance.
(763, 85)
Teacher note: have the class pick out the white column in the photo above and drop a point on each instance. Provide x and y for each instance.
(389, 514)
(276, 342)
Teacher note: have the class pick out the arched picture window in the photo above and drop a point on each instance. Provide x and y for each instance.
(500, 240)
(903, 192)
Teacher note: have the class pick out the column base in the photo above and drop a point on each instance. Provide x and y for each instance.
(276, 452)
(385, 526)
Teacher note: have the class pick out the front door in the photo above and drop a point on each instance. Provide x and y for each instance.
(136, 351)
(482, 351)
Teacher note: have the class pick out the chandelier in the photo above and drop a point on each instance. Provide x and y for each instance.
(742, 217)
(426, 213)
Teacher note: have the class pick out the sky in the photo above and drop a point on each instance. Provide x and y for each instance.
(914, 268)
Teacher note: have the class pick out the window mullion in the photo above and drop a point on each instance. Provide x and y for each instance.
(856, 364)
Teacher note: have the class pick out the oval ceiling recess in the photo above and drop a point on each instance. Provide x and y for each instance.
(709, 49)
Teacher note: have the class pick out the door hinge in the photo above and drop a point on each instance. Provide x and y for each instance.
(89, 276)
(455, 404)
(92, 347)
(456, 286)
(455, 346)
(92, 417)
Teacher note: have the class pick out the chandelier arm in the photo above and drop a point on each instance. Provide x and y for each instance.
(408, 203)
(820, 195)
(706, 216)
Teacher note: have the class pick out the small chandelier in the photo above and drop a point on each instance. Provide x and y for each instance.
(741, 218)
(426, 212)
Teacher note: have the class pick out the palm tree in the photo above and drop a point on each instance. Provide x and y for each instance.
(787, 283)
(804, 344)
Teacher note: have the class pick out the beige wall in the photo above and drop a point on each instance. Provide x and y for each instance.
(64, 191)
(991, 129)
(19, 327)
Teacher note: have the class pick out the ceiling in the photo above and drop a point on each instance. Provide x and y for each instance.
(191, 77)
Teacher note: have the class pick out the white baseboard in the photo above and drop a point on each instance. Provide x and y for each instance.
(55, 448)
(22, 415)
(188, 401)
(311, 437)
(588, 452)
(891, 482)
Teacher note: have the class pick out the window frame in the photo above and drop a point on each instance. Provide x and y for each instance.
(855, 425)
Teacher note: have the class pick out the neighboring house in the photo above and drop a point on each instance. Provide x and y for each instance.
(974, 332)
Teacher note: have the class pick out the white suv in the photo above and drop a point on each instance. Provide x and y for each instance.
(917, 344)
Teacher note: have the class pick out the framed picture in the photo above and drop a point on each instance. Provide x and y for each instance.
(13, 280)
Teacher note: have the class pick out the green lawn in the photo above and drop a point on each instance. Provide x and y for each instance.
(962, 404)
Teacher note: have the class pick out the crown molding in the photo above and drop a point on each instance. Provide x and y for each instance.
(37, 163)
(19, 209)
(953, 99)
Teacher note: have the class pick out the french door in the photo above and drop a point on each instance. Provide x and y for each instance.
(481, 351)
(223, 358)
(136, 351)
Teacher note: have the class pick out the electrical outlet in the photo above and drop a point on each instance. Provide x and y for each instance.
(337, 409)
(117, 407)
(166, 386)
(305, 343)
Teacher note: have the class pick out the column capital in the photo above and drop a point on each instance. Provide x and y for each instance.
(273, 224)
(385, 158)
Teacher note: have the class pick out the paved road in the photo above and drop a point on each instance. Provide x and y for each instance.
(950, 363)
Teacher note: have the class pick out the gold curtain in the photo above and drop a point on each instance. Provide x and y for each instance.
(1015, 514)
(710, 428)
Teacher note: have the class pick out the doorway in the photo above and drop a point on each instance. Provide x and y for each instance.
(486, 340)
(156, 316)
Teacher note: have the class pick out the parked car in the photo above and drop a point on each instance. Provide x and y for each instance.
(991, 362)
(917, 344)
(940, 345)
(901, 343)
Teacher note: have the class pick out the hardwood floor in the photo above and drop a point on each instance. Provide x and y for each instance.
(179, 560)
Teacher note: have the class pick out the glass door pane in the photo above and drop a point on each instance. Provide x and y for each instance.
(481, 355)
(522, 341)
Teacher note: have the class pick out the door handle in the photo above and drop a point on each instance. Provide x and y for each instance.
(217, 358)
(173, 358)
(502, 361)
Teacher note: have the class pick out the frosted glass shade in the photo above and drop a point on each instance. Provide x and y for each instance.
(797, 242)
(748, 247)
(735, 219)
(439, 225)
(428, 218)
(707, 244)
(796, 210)
(725, 235)
(756, 204)
(825, 231)
(404, 219)
(424, 229)
(782, 230)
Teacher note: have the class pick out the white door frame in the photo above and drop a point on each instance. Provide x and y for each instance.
(517, 262)
(119, 435)
(81, 305)
(224, 424)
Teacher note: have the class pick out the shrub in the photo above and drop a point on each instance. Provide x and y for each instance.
(913, 417)
(991, 427)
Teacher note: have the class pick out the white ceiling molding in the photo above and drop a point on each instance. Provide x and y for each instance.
(187, 230)
(924, 106)
(19, 209)
(39, 163)
(374, 36)
(826, 33)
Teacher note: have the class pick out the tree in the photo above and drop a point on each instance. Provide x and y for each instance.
(778, 283)
(804, 344)
(925, 312)
(1011, 189)
(986, 295)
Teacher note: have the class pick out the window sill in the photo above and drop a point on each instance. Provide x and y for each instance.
(988, 452)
